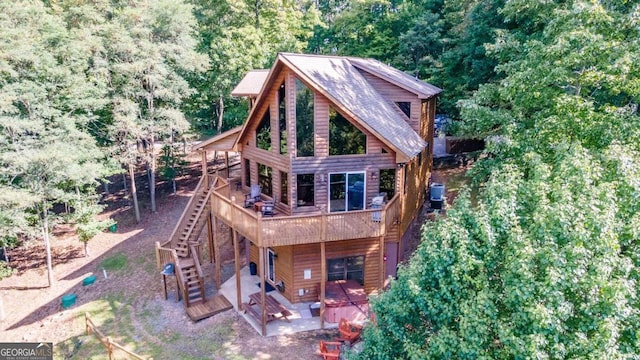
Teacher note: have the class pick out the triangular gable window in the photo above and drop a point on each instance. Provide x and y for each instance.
(344, 137)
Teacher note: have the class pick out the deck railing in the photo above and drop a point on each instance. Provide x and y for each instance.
(303, 229)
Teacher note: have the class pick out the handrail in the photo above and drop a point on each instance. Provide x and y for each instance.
(181, 280)
(196, 262)
(199, 213)
(188, 208)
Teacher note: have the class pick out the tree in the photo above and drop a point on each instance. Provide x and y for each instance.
(545, 265)
(150, 47)
(47, 157)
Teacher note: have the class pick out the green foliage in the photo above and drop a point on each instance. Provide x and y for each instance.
(6, 270)
(546, 264)
(171, 161)
(114, 262)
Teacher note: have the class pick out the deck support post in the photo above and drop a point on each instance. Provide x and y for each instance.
(323, 281)
(261, 272)
(236, 252)
(203, 153)
(382, 267)
(216, 252)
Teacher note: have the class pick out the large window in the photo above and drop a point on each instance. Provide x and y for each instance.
(284, 187)
(344, 137)
(247, 172)
(264, 179)
(348, 268)
(263, 132)
(306, 185)
(346, 191)
(304, 120)
(271, 265)
(282, 118)
(388, 182)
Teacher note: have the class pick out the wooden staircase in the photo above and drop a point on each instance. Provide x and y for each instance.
(182, 249)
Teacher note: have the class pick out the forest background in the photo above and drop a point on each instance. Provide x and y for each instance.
(543, 261)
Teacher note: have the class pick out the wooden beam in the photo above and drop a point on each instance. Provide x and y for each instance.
(236, 252)
(261, 271)
(210, 233)
(382, 269)
(323, 281)
(216, 253)
(204, 168)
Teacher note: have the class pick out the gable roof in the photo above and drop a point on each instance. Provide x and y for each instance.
(251, 83)
(339, 79)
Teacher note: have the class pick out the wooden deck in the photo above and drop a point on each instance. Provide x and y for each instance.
(212, 306)
(283, 229)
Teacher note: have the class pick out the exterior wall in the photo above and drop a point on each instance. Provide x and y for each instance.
(395, 94)
(306, 257)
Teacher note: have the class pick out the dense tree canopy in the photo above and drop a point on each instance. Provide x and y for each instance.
(546, 264)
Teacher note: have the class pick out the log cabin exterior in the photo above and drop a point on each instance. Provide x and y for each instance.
(327, 138)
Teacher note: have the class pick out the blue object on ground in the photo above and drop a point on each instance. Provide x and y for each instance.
(89, 280)
(68, 300)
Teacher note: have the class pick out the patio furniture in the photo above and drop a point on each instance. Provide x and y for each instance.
(269, 207)
(349, 331)
(330, 350)
(275, 310)
(252, 197)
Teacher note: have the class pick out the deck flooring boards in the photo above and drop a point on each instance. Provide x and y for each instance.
(212, 306)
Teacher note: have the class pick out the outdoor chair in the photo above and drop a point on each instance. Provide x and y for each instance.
(269, 206)
(349, 331)
(252, 197)
(330, 350)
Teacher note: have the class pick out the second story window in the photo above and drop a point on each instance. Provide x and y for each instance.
(305, 188)
(282, 118)
(344, 137)
(263, 132)
(304, 120)
(388, 182)
(405, 106)
(265, 179)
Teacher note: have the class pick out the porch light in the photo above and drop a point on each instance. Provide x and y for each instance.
(374, 175)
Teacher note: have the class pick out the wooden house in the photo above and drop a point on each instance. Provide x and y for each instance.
(342, 146)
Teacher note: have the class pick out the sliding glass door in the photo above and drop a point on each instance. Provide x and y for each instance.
(346, 191)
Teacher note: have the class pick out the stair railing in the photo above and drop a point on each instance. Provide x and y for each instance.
(200, 189)
(182, 282)
(199, 213)
(196, 261)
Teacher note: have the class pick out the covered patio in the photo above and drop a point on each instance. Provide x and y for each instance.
(300, 319)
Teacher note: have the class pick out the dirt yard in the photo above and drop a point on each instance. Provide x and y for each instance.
(128, 304)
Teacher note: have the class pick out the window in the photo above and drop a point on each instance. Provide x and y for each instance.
(388, 182)
(346, 191)
(271, 265)
(306, 185)
(284, 187)
(263, 132)
(348, 268)
(304, 120)
(264, 179)
(247, 172)
(282, 118)
(405, 106)
(344, 137)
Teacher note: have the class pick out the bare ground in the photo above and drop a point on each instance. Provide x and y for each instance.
(128, 304)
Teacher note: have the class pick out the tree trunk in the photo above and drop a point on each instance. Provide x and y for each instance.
(106, 187)
(86, 248)
(220, 114)
(134, 192)
(47, 245)
(152, 175)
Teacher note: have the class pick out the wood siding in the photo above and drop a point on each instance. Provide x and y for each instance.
(306, 257)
